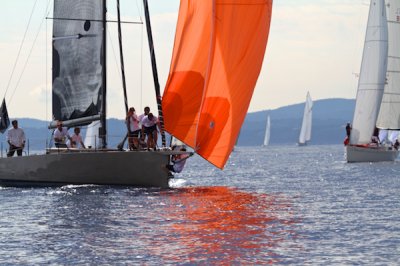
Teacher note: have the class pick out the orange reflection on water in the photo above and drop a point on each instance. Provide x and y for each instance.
(220, 225)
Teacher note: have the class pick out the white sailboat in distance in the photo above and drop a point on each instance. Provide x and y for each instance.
(378, 92)
(305, 132)
(267, 132)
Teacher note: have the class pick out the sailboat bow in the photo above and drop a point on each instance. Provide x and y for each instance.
(218, 53)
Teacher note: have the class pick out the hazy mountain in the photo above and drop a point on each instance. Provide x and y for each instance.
(329, 119)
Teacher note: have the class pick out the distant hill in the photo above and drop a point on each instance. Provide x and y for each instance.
(329, 119)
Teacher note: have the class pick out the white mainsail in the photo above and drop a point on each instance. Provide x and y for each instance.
(389, 114)
(372, 74)
(305, 132)
(267, 132)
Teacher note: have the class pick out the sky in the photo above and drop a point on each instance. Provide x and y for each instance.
(314, 45)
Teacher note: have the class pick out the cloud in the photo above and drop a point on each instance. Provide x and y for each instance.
(313, 46)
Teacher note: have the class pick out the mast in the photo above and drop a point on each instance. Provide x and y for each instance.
(103, 117)
(154, 68)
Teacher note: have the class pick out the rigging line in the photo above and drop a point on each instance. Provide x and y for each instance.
(20, 48)
(141, 68)
(154, 69)
(141, 54)
(113, 51)
(139, 8)
(121, 144)
(30, 53)
(45, 70)
(121, 54)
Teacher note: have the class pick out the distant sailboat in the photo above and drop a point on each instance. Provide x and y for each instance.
(267, 132)
(305, 132)
(378, 94)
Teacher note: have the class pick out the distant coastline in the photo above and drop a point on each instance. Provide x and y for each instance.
(329, 119)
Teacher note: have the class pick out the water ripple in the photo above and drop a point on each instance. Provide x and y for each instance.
(280, 205)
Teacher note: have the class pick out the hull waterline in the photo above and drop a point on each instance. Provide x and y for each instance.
(370, 154)
(142, 169)
(301, 144)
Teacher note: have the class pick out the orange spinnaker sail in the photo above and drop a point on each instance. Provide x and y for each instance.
(218, 54)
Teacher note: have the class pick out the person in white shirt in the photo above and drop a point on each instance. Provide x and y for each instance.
(146, 112)
(141, 136)
(61, 135)
(149, 127)
(16, 139)
(76, 139)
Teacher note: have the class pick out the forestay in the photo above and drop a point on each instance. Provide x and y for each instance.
(217, 57)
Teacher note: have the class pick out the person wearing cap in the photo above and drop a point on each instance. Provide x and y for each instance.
(61, 135)
(16, 139)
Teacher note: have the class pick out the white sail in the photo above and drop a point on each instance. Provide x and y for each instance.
(393, 136)
(372, 74)
(383, 135)
(305, 132)
(92, 135)
(267, 132)
(389, 114)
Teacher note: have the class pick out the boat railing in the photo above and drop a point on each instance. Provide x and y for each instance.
(4, 147)
(42, 146)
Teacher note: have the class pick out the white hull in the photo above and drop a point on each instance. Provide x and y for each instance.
(370, 154)
(138, 168)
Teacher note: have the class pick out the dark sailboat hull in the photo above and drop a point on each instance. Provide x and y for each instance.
(138, 168)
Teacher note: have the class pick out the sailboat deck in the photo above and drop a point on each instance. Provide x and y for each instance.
(76, 150)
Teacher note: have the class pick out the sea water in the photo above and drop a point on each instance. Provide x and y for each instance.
(278, 204)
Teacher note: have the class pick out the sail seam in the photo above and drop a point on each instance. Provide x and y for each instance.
(208, 71)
